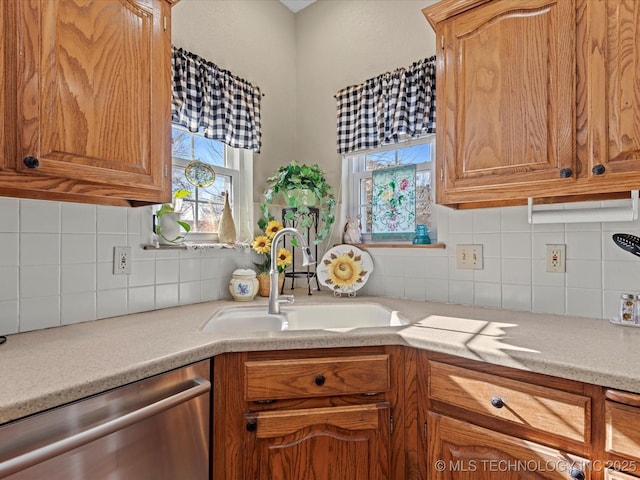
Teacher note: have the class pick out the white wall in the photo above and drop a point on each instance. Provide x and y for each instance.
(255, 40)
(342, 43)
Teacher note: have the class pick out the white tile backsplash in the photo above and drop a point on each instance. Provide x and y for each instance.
(8, 249)
(39, 249)
(77, 307)
(8, 283)
(10, 214)
(78, 248)
(78, 218)
(514, 275)
(9, 317)
(78, 277)
(37, 216)
(56, 265)
(39, 281)
(40, 312)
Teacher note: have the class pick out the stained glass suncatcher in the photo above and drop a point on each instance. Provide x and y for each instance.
(394, 203)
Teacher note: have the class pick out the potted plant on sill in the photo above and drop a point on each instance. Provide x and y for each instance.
(262, 244)
(168, 223)
(302, 186)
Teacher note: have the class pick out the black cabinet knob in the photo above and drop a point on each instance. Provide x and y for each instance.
(252, 426)
(566, 173)
(31, 162)
(598, 169)
(576, 473)
(497, 402)
(320, 380)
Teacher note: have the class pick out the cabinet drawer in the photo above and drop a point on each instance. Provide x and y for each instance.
(622, 422)
(316, 377)
(544, 409)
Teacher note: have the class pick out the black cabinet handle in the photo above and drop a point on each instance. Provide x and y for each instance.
(497, 402)
(566, 172)
(598, 169)
(31, 162)
(576, 473)
(320, 380)
(252, 426)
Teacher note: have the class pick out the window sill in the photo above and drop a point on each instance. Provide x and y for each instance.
(198, 246)
(365, 246)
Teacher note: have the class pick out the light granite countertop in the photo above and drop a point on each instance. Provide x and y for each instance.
(47, 368)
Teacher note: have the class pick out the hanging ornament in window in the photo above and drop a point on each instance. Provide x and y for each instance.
(200, 174)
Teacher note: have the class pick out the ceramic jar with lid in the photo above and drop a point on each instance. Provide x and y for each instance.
(243, 285)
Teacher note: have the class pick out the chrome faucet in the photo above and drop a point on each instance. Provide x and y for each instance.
(307, 259)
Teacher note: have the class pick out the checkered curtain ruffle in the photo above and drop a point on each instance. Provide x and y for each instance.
(388, 108)
(207, 98)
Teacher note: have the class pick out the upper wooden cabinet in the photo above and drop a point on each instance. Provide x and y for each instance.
(536, 98)
(609, 91)
(87, 111)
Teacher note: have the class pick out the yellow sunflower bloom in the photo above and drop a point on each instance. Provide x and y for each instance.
(344, 271)
(284, 258)
(273, 227)
(261, 244)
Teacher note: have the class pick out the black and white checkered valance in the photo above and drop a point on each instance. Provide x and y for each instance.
(209, 99)
(388, 108)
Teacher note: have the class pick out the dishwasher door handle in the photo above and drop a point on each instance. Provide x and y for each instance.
(199, 386)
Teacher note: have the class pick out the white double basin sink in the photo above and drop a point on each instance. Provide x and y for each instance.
(254, 318)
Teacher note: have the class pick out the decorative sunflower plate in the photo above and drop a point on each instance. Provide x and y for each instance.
(345, 269)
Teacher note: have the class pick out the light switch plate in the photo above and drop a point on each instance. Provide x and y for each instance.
(469, 257)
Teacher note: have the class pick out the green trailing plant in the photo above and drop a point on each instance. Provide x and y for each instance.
(290, 179)
(174, 207)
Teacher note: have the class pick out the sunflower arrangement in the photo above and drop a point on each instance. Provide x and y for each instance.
(262, 244)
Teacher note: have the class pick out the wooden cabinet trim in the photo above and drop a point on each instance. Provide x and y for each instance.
(622, 435)
(277, 423)
(627, 398)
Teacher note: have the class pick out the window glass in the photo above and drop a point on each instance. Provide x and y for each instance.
(203, 207)
(358, 173)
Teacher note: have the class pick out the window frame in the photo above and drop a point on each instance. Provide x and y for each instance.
(354, 171)
(239, 167)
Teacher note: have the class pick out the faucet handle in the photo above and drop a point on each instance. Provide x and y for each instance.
(286, 299)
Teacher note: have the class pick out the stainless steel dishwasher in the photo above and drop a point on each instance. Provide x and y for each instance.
(156, 429)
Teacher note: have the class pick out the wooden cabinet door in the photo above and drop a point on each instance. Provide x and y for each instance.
(92, 100)
(327, 443)
(615, 475)
(608, 72)
(506, 100)
(462, 451)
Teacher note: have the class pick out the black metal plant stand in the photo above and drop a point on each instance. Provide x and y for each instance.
(311, 232)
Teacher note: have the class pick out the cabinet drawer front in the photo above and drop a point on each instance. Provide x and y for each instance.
(316, 377)
(544, 409)
(285, 422)
(622, 429)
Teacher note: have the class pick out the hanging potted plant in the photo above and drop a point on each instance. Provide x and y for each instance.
(168, 222)
(302, 187)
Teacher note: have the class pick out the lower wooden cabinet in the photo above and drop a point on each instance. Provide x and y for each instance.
(331, 443)
(459, 450)
(326, 414)
(615, 475)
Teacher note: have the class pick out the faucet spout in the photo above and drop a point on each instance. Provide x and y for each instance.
(307, 259)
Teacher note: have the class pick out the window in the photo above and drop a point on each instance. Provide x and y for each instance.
(202, 209)
(357, 175)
